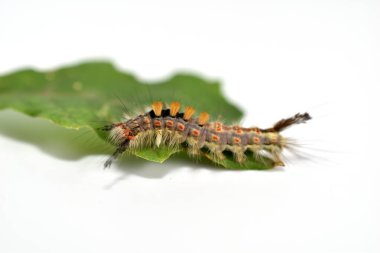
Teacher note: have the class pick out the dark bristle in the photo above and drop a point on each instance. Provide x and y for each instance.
(180, 115)
(106, 128)
(165, 113)
(307, 116)
(285, 123)
(152, 114)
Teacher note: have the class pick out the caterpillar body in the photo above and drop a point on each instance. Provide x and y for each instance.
(170, 127)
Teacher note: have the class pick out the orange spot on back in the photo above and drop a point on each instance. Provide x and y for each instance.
(126, 134)
(256, 140)
(169, 123)
(146, 120)
(215, 137)
(236, 140)
(180, 127)
(195, 132)
(157, 123)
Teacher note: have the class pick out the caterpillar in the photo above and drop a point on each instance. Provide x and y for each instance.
(170, 127)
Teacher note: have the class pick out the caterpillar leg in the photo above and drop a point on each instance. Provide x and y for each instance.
(277, 159)
(215, 151)
(274, 153)
(116, 154)
(193, 149)
(239, 155)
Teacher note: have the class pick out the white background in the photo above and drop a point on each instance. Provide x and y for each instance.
(275, 58)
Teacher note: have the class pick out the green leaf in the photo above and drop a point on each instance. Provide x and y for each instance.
(92, 94)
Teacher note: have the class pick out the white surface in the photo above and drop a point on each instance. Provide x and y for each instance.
(275, 58)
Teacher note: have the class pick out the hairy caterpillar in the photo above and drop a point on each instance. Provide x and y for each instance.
(169, 126)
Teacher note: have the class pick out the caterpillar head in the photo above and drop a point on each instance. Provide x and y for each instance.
(120, 133)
